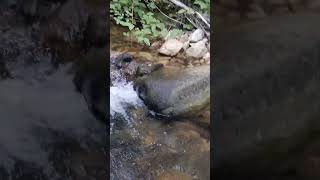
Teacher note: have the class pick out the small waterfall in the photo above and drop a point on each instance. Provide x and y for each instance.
(122, 96)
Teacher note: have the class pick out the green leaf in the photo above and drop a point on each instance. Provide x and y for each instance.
(127, 24)
(181, 11)
(175, 33)
(152, 5)
(146, 41)
(187, 26)
(201, 4)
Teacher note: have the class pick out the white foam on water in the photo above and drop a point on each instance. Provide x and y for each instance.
(122, 95)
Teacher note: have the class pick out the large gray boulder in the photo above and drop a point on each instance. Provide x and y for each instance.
(176, 92)
(266, 90)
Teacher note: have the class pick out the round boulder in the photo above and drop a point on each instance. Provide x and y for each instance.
(176, 92)
(171, 47)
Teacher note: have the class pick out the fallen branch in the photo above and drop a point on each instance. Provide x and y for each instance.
(198, 27)
(180, 4)
(168, 16)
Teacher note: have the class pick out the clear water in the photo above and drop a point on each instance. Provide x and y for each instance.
(145, 147)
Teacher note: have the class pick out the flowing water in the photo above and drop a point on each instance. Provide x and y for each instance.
(144, 147)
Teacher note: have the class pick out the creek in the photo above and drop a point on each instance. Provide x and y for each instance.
(144, 146)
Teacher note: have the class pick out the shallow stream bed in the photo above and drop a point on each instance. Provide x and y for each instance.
(146, 147)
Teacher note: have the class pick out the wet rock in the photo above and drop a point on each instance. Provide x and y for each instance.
(176, 92)
(171, 47)
(127, 66)
(197, 50)
(120, 60)
(196, 36)
(147, 68)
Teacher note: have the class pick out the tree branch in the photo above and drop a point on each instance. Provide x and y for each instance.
(168, 16)
(180, 4)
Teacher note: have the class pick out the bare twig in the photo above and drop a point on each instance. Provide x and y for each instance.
(193, 24)
(180, 4)
(168, 16)
(198, 27)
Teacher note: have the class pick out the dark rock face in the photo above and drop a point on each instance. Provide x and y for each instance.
(266, 95)
(125, 65)
(173, 92)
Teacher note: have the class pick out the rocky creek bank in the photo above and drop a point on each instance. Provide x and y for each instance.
(149, 146)
(266, 119)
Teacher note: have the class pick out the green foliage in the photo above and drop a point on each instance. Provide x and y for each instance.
(204, 5)
(138, 17)
(142, 18)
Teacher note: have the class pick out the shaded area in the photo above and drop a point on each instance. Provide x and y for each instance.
(266, 117)
(48, 129)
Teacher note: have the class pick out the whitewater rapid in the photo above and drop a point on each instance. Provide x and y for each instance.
(122, 94)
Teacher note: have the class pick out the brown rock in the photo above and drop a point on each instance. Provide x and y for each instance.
(197, 50)
(171, 47)
(156, 45)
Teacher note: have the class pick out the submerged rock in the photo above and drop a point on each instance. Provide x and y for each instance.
(176, 92)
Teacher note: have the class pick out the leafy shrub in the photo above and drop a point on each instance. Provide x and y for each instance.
(143, 18)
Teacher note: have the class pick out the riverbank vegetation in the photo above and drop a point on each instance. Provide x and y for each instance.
(148, 20)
